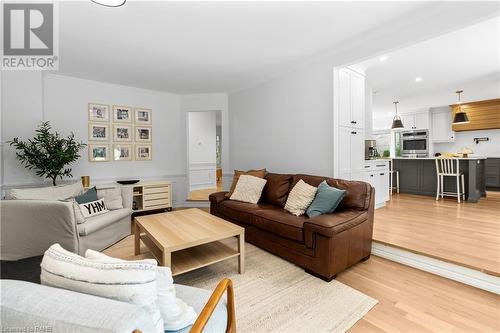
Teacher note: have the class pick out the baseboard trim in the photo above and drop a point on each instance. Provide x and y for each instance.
(445, 269)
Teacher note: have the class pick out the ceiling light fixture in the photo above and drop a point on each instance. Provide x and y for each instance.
(382, 58)
(110, 3)
(418, 79)
(460, 116)
(396, 122)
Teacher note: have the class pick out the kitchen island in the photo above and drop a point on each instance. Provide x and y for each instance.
(418, 176)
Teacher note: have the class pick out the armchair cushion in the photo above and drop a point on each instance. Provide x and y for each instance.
(62, 192)
(99, 222)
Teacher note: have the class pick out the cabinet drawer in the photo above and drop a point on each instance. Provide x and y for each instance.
(492, 181)
(153, 196)
(156, 202)
(157, 189)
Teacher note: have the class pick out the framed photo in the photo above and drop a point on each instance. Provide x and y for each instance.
(143, 134)
(143, 152)
(143, 116)
(122, 114)
(98, 153)
(122, 133)
(98, 112)
(98, 132)
(122, 152)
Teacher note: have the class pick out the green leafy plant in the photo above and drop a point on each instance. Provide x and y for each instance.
(47, 152)
(387, 153)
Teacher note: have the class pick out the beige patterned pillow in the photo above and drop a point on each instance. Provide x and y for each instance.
(300, 197)
(248, 189)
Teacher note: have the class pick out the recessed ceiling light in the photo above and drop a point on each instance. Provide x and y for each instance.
(418, 79)
(382, 58)
(110, 3)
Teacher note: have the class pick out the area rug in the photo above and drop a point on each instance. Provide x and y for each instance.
(274, 295)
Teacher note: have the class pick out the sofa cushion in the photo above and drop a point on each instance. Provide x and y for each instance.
(62, 192)
(280, 222)
(93, 224)
(237, 173)
(357, 193)
(240, 211)
(276, 190)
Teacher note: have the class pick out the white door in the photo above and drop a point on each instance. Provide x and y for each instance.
(408, 121)
(344, 152)
(422, 120)
(357, 150)
(383, 182)
(344, 97)
(357, 100)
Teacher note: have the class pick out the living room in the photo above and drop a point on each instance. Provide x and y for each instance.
(126, 84)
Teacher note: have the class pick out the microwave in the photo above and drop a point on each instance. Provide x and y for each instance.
(415, 143)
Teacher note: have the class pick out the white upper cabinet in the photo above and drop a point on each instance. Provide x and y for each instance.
(351, 98)
(441, 127)
(413, 121)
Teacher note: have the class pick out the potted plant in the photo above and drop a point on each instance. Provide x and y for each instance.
(48, 153)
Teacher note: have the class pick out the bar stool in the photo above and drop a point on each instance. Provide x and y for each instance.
(449, 167)
(391, 178)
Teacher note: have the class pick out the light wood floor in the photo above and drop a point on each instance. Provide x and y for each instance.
(202, 195)
(409, 300)
(467, 234)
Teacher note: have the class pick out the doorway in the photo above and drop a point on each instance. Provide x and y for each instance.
(204, 154)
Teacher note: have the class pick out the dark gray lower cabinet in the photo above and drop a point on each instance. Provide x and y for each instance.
(493, 173)
(418, 176)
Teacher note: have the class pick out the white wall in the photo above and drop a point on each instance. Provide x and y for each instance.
(285, 123)
(465, 139)
(30, 97)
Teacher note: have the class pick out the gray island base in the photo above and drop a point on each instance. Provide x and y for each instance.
(419, 176)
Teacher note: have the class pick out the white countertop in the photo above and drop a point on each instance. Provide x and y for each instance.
(433, 158)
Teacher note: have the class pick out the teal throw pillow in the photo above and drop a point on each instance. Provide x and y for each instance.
(89, 196)
(326, 201)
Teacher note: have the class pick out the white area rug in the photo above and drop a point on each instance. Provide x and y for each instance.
(276, 296)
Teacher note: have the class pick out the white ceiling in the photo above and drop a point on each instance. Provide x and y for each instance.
(192, 47)
(467, 59)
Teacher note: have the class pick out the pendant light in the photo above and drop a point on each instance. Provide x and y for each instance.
(110, 3)
(396, 122)
(460, 116)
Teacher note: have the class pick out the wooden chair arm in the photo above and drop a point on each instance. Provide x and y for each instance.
(201, 321)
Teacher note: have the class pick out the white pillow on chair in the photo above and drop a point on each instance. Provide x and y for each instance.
(175, 313)
(128, 281)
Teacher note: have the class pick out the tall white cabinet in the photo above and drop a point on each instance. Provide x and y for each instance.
(349, 134)
(349, 122)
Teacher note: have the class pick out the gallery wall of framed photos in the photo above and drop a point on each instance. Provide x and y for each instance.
(119, 133)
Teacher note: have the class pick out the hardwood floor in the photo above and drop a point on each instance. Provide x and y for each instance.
(466, 234)
(409, 300)
(202, 195)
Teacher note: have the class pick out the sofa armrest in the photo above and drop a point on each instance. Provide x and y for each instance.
(330, 224)
(217, 197)
(30, 227)
(31, 305)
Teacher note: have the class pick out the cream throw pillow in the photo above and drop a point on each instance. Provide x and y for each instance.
(300, 197)
(112, 196)
(176, 314)
(248, 189)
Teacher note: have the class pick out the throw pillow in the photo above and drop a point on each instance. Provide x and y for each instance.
(62, 192)
(175, 313)
(129, 281)
(326, 201)
(94, 208)
(88, 196)
(112, 196)
(237, 173)
(300, 197)
(248, 189)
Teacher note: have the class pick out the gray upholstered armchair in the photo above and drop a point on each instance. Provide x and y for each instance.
(30, 227)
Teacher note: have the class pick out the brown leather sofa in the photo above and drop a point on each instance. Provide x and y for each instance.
(324, 245)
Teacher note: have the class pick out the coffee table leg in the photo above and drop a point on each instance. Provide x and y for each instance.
(167, 259)
(241, 250)
(137, 239)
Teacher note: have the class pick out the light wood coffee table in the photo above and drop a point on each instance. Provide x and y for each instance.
(188, 239)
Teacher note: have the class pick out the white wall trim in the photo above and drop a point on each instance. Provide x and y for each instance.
(445, 269)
